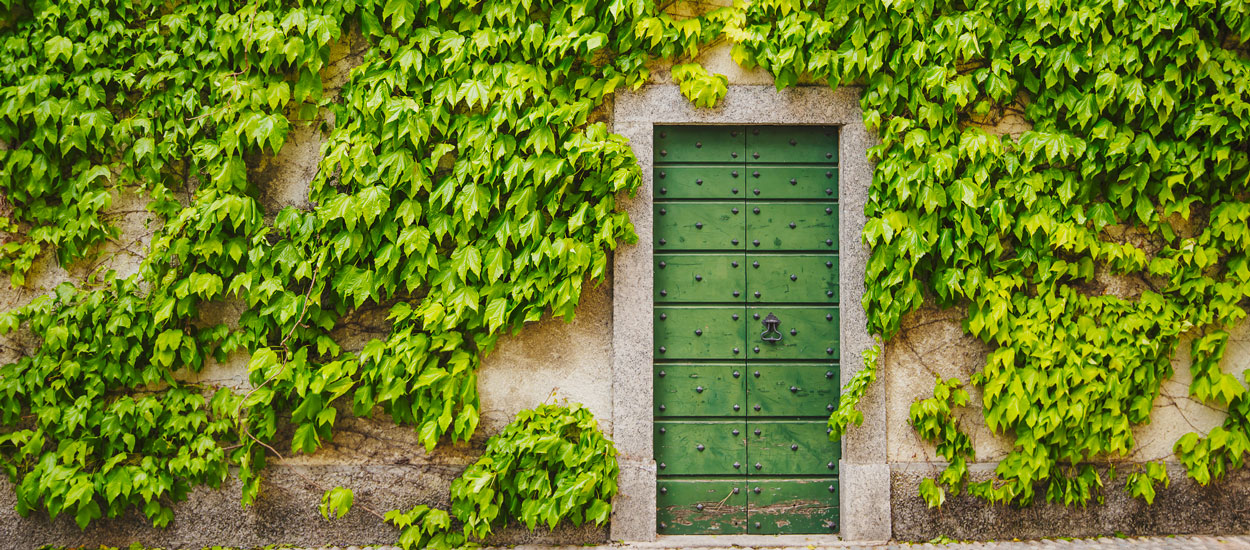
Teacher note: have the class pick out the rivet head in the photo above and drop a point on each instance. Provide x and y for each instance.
(755, 131)
(830, 465)
(734, 263)
(794, 389)
(734, 133)
(663, 490)
(663, 174)
(698, 182)
(663, 316)
(794, 447)
(756, 190)
(832, 489)
(757, 431)
(828, 316)
(663, 265)
(829, 408)
(663, 241)
(699, 448)
(663, 526)
(829, 242)
(757, 408)
(757, 524)
(756, 316)
(736, 408)
(735, 316)
(736, 489)
(794, 277)
(663, 292)
(735, 351)
(829, 174)
(756, 242)
(737, 465)
(756, 154)
(794, 181)
(663, 374)
(828, 264)
(793, 225)
(792, 142)
(698, 332)
(829, 293)
(663, 408)
(699, 389)
(755, 174)
(663, 152)
(698, 144)
(699, 507)
(758, 466)
(829, 210)
(735, 242)
(734, 210)
(757, 375)
(734, 190)
(663, 134)
(794, 332)
(663, 190)
(736, 294)
(698, 225)
(663, 349)
(734, 173)
(755, 264)
(736, 375)
(663, 465)
(734, 155)
(828, 191)
(828, 351)
(757, 294)
(663, 211)
(663, 430)
(757, 349)
(828, 155)
(828, 374)
(756, 210)
(698, 277)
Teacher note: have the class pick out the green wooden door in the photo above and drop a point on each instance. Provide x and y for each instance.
(746, 329)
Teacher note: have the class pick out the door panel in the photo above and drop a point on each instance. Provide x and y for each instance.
(778, 277)
(699, 332)
(792, 390)
(699, 226)
(767, 182)
(699, 277)
(807, 332)
(792, 226)
(793, 144)
(699, 143)
(701, 506)
(722, 182)
(699, 390)
(793, 506)
(791, 447)
(689, 447)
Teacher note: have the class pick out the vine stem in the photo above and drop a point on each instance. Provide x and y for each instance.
(307, 479)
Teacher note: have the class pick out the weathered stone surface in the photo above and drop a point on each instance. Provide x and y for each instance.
(1183, 508)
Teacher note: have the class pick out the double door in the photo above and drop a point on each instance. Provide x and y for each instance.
(746, 329)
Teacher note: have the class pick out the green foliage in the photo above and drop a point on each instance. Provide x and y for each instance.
(935, 420)
(846, 413)
(550, 465)
(466, 187)
(1142, 484)
(336, 502)
(701, 88)
(1135, 169)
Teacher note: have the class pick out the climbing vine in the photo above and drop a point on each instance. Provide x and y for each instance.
(1133, 172)
(466, 186)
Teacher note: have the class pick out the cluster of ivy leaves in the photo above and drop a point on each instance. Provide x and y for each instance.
(465, 186)
(550, 465)
(1136, 168)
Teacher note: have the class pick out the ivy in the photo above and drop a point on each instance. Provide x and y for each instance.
(1135, 168)
(466, 186)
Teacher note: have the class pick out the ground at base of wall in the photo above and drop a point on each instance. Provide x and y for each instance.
(1180, 542)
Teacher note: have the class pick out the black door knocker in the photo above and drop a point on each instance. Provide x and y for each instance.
(771, 322)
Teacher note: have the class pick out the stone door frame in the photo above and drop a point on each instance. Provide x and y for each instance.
(864, 475)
